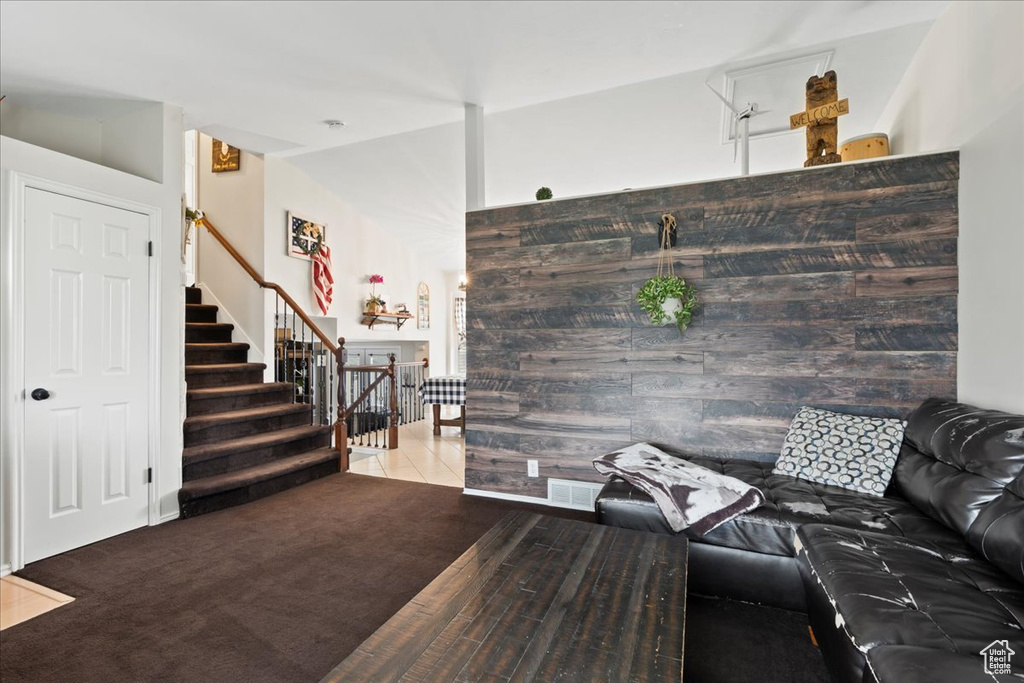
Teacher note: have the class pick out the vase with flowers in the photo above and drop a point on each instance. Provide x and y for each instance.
(375, 304)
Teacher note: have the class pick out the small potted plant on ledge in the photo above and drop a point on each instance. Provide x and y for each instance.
(668, 298)
(375, 304)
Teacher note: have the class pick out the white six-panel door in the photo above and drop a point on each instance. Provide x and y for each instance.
(86, 372)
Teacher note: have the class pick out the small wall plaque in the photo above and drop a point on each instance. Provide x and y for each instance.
(225, 157)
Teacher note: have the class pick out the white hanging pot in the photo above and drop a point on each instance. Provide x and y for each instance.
(669, 308)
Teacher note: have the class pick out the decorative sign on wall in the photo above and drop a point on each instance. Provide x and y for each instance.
(822, 119)
(423, 307)
(225, 157)
(304, 236)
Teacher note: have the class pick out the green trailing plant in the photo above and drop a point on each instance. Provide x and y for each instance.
(658, 290)
(544, 193)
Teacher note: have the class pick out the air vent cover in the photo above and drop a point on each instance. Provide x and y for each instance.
(578, 495)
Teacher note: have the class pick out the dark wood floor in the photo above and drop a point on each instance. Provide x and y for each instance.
(540, 599)
(285, 588)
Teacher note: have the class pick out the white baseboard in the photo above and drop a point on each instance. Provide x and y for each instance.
(238, 334)
(506, 496)
(5, 569)
(516, 498)
(169, 517)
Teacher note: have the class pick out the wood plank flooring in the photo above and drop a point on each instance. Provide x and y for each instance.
(540, 599)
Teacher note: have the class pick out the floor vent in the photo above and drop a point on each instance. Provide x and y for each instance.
(578, 495)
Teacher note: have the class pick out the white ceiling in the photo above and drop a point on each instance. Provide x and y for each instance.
(265, 75)
(274, 71)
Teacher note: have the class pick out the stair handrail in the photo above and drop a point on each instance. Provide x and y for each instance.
(247, 267)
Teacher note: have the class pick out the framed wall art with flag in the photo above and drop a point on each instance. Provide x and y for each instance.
(305, 236)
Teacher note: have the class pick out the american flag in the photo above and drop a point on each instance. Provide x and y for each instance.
(323, 282)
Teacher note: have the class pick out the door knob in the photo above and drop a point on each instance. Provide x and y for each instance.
(40, 394)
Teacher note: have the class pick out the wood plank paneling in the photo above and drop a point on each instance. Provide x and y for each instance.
(834, 286)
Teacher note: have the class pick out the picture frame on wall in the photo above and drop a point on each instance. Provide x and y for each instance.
(304, 235)
(423, 307)
(225, 157)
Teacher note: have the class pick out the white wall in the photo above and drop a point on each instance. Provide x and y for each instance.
(25, 158)
(77, 137)
(965, 89)
(233, 202)
(132, 143)
(668, 131)
(359, 248)
(129, 141)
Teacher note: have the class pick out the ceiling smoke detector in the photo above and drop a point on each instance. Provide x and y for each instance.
(334, 124)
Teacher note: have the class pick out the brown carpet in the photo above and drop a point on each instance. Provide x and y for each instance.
(284, 588)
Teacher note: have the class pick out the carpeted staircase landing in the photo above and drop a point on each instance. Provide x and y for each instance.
(244, 438)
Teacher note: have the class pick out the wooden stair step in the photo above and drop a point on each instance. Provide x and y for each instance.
(222, 399)
(200, 313)
(208, 332)
(193, 295)
(208, 451)
(207, 353)
(241, 486)
(222, 374)
(221, 457)
(237, 423)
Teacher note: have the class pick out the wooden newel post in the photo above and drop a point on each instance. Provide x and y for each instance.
(341, 425)
(393, 399)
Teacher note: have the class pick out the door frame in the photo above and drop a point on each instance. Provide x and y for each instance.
(13, 341)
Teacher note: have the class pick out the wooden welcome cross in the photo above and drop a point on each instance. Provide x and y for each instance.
(821, 119)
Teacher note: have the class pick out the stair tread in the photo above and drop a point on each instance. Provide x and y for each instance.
(200, 306)
(237, 390)
(224, 367)
(208, 325)
(255, 413)
(208, 451)
(216, 345)
(252, 475)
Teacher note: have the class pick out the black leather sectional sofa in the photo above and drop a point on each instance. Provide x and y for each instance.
(908, 587)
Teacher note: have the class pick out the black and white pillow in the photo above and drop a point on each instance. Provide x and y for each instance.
(850, 451)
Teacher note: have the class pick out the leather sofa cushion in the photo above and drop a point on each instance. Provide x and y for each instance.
(957, 458)
(789, 502)
(905, 664)
(888, 591)
(998, 532)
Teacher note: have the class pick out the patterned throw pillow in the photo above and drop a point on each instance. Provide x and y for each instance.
(849, 451)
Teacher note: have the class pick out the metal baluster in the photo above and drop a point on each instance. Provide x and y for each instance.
(295, 385)
(304, 365)
(376, 416)
(278, 343)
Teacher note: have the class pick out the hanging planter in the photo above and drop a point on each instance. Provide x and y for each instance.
(667, 298)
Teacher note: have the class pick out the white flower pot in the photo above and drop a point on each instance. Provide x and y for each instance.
(669, 307)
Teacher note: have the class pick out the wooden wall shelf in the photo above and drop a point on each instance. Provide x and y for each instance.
(396, 319)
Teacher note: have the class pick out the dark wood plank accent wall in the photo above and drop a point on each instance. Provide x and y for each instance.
(834, 287)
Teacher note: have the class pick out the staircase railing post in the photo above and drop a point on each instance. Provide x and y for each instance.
(341, 425)
(393, 381)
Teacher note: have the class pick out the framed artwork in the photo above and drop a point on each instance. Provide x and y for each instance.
(304, 236)
(423, 307)
(225, 157)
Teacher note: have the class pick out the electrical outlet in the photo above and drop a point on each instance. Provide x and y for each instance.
(531, 468)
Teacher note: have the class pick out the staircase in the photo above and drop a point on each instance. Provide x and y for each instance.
(244, 438)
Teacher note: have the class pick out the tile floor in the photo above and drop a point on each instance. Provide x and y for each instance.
(420, 455)
(20, 600)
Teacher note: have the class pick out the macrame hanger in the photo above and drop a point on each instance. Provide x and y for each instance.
(665, 260)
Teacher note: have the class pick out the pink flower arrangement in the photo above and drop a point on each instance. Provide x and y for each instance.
(375, 300)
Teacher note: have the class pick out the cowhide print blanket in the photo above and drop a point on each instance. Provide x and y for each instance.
(690, 496)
